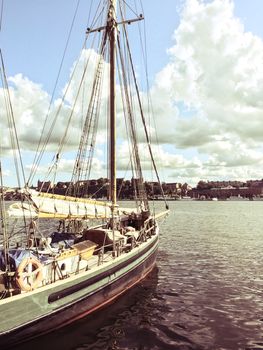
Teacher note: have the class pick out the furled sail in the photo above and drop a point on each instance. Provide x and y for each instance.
(47, 205)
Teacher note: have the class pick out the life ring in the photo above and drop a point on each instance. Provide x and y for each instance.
(29, 274)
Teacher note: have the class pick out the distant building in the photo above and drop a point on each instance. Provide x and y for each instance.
(227, 189)
(44, 186)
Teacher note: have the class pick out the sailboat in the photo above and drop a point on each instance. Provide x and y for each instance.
(90, 251)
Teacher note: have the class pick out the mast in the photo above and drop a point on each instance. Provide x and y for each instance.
(111, 27)
(111, 33)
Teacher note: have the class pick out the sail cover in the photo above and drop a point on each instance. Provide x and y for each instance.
(47, 205)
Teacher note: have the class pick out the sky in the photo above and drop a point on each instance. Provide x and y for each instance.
(205, 68)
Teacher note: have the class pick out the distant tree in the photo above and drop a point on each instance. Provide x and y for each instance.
(202, 185)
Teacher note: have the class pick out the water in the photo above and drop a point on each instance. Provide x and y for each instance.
(206, 292)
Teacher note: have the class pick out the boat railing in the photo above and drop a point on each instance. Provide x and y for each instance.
(107, 251)
(150, 225)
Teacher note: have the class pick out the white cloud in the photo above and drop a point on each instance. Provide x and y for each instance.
(207, 101)
(215, 69)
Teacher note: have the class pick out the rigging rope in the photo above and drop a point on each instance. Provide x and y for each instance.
(91, 122)
(125, 2)
(131, 161)
(12, 125)
(37, 154)
(40, 150)
(142, 115)
(135, 149)
(3, 220)
(18, 163)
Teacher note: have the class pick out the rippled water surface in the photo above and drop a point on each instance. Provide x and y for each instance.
(206, 292)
